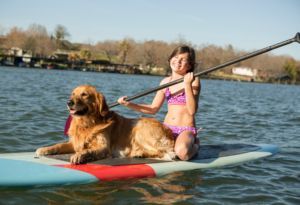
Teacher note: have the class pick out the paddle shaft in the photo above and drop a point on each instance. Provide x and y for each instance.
(242, 58)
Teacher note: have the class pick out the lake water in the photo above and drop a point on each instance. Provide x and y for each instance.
(33, 112)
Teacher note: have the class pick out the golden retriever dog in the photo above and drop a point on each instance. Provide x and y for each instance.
(96, 132)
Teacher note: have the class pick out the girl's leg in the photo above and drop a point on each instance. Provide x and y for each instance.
(185, 147)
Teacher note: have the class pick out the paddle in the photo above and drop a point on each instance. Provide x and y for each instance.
(242, 58)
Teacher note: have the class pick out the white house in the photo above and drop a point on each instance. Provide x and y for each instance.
(15, 51)
(245, 71)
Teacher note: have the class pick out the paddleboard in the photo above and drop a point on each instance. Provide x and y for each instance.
(25, 169)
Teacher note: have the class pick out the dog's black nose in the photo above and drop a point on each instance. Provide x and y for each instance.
(70, 103)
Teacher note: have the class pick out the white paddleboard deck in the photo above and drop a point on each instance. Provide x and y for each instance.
(24, 169)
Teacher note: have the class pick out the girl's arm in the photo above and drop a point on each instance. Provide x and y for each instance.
(192, 90)
(152, 108)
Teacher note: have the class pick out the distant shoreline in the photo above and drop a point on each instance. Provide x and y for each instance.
(212, 76)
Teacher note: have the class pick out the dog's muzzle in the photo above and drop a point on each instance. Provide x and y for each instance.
(75, 109)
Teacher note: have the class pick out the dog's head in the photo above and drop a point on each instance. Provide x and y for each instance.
(86, 101)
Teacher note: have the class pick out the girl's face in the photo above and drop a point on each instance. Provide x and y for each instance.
(180, 63)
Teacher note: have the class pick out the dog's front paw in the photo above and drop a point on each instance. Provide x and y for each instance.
(78, 158)
(169, 156)
(42, 151)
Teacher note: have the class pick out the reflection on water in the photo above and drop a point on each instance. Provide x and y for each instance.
(33, 112)
(165, 190)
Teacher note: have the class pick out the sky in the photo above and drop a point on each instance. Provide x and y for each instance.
(247, 25)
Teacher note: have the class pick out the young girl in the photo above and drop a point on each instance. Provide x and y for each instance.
(182, 102)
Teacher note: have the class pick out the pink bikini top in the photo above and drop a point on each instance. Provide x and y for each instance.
(178, 99)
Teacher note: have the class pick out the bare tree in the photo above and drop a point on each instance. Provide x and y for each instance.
(106, 50)
(124, 49)
(60, 34)
(38, 41)
(15, 38)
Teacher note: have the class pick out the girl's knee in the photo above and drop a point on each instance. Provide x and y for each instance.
(182, 152)
(184, 146)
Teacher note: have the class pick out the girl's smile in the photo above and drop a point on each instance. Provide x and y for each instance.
(180, 63)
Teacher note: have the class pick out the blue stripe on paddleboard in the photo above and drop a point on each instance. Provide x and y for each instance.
(22, 173)
(273, 149)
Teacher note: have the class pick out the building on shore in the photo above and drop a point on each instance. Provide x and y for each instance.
(244, 71)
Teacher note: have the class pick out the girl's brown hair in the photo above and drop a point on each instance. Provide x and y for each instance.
(191, 55)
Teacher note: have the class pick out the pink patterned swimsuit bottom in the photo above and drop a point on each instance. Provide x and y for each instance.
(178, 129)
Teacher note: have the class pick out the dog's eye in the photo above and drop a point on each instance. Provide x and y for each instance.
(84, 94)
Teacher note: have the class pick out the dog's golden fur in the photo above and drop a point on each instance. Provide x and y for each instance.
(96, 132)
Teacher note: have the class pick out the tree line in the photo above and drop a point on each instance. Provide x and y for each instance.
(148, 54)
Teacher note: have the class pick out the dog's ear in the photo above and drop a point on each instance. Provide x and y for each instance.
(102, 106)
